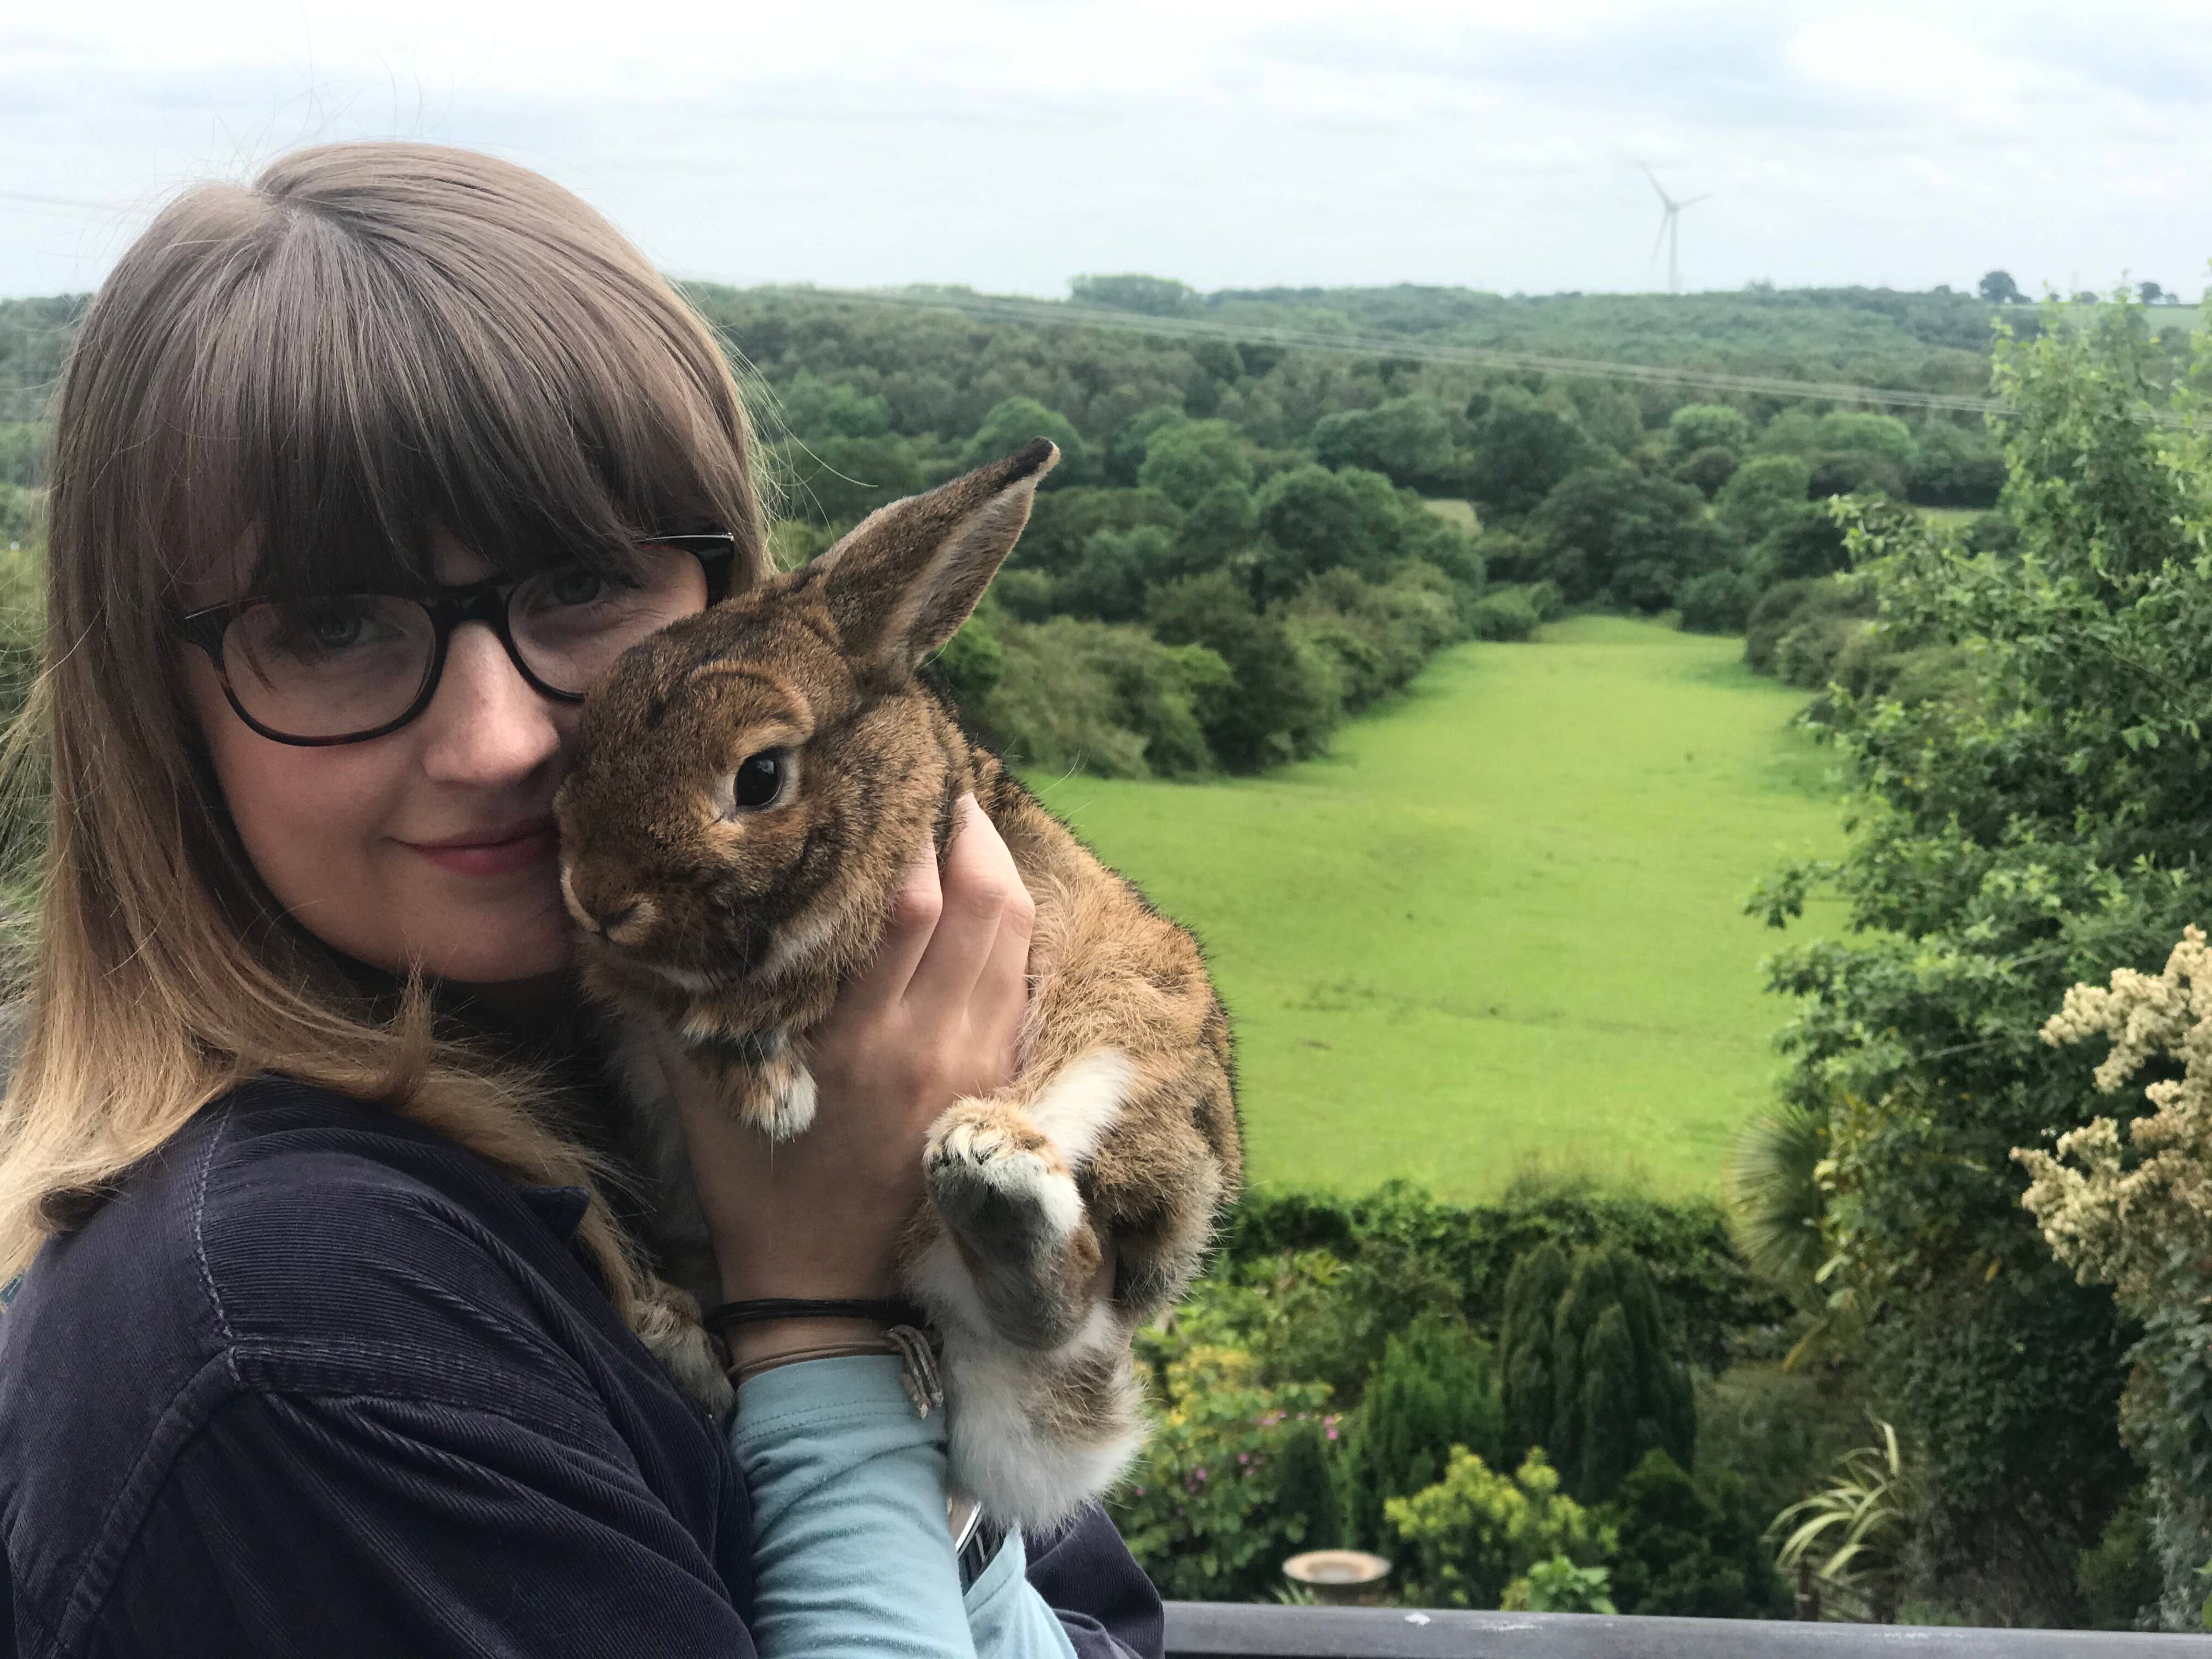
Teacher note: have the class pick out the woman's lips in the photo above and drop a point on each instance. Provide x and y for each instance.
(494, 858)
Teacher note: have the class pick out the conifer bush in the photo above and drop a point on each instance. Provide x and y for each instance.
(1435, 1389)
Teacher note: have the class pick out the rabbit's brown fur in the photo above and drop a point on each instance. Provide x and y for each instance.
(727, 930)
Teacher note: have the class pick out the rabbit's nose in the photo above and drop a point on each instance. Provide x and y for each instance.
(607, 920)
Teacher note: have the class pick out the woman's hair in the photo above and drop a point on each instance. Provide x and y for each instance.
(289, 387)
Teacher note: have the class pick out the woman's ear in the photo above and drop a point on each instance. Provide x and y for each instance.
(900, 585)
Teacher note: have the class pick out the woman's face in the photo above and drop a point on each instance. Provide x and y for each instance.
(435, 843)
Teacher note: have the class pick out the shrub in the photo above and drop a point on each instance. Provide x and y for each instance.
(1305, 1315)
(2120, 1577)
(1098, 697)
(1560, 1586)
(1685, 1245)
(1687, 1551)
(1617, 1389)
(1775, 1431)
(1533, 1290)
(1505, 614)
(1203, 1511)
(1434, 1390)
(1718, 602)
(1465, 1539)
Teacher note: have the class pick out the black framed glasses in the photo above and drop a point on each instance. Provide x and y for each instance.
(345, 667)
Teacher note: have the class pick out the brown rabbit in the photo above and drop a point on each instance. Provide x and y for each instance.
(746, 790)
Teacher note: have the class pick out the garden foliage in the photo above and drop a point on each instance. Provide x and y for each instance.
(2038, 822)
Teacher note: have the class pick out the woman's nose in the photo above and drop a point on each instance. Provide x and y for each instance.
(485, 725)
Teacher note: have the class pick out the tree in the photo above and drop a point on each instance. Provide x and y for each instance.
(1616, 1387)
(1063, 521)
(1519, 449)
(1408, 440)
(1621, 536)
(1223, 521)
(1707, 426)
(1150, 296)
(1707, 468)
(1953, 466)
(1761, 492)
(1433, 1390)
(1013, 424)
(835, 480)
(2037, 825)
(1115, 571)
(1856, 432)
(1315, 519)
(1533, 1290)
(2151, 292)
(1277, 705)
(1186, 458)
(1806, 542)
(1999, 288)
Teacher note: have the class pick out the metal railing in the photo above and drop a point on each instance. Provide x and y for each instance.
(1218, 1630)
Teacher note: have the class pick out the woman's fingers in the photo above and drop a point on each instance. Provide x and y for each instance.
(915, 911)
(980, 883)
(1000, 998)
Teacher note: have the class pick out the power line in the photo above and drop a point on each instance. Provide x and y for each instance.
(1048, 312)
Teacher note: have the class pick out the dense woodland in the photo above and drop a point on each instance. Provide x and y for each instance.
(1569, 1399)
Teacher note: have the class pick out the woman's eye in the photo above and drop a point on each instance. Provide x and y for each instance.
(760, 778)
(334, 632)
(326, 627)
(578, 586)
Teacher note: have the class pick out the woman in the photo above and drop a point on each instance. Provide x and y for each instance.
(359, 474)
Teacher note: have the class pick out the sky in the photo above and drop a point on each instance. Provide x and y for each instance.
(1011, 144)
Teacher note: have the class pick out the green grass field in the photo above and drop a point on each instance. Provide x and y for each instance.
(1498, 927)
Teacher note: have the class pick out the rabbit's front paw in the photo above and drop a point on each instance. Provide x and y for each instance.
(999, 1182)
(779, 1098)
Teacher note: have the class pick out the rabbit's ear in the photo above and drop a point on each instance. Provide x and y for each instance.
(903, 580)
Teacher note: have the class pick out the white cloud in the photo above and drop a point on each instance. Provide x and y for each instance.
(1009, 143)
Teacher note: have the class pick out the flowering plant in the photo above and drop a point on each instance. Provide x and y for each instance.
(1203, 1509)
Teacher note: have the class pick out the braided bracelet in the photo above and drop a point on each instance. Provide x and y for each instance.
(917, 1363)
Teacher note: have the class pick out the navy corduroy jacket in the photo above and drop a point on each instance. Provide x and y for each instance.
(318, 1381)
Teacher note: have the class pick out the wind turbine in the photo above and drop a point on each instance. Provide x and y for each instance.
(1669, 231)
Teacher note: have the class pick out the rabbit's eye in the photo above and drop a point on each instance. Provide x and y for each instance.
(760, 778)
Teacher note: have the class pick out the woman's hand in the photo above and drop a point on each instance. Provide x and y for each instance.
(934, 1017)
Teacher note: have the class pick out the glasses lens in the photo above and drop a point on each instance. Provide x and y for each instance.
(571, 623)
(328, 666)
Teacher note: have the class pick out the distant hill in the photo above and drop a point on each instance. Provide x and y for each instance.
(1879, 337)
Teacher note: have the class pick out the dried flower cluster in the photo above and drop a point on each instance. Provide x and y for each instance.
(2131, 1221)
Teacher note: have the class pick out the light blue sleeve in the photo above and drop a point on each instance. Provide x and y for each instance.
(850, 1551)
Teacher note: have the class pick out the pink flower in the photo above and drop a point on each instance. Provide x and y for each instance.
(1332, 1432)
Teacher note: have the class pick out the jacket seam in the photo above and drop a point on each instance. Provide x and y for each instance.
(199, 1226)
(149, 1472)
